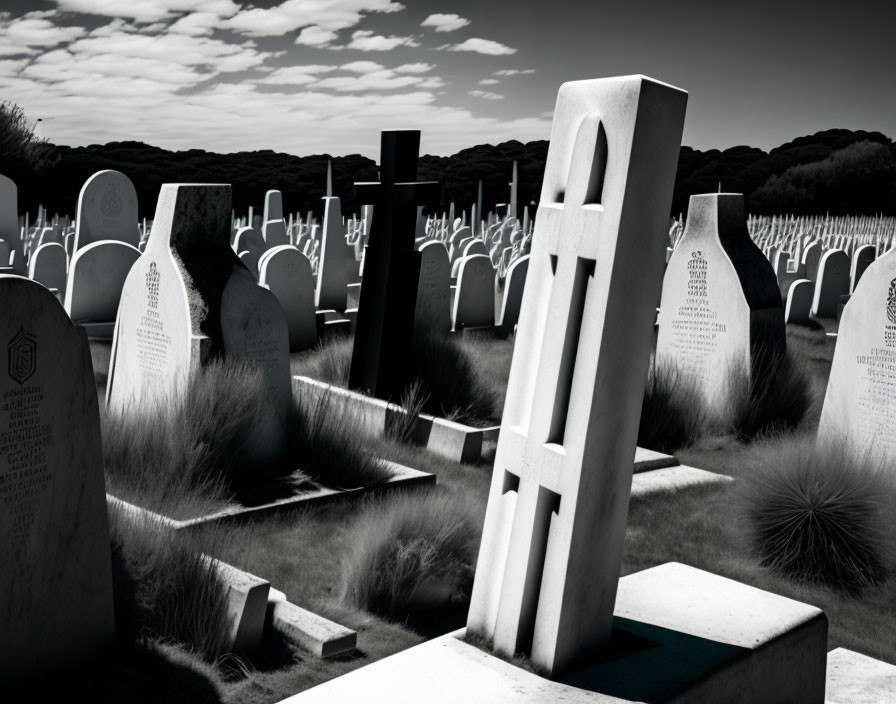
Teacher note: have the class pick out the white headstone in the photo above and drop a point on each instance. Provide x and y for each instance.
(799, 302)
(860, 403)
(274, 233)
(286, 273)
(56, 574)
(332, 275)
(9, 222)
(513, 295)
(861, 260)
(189, 291)
(107, 210)
(721, 305)
(832, 282)
(552, 541)
(273, 206)
(433, 308)
(49, 266)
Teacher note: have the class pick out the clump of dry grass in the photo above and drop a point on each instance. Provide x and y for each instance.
(165, 590)
(819, 513)
(412, 552)
(673, 414)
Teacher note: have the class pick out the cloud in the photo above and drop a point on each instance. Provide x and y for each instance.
(415, 68)
(480, 46)
(513, 72)
(445, 23)
(28, 34)
(489, 82)
(316, 36)
(486, 95)
(148, 10)
(296, 75)
(362, 67)
(366, 40)
(332, 15)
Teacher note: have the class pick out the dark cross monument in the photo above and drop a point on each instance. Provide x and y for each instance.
(385, 324)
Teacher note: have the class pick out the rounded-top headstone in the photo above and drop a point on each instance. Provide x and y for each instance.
(107, 210)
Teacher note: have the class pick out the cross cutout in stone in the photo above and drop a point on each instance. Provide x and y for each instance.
(385, 324)
(554, 528)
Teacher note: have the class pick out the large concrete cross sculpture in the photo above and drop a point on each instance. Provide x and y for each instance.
(385, 323)
(552, 542)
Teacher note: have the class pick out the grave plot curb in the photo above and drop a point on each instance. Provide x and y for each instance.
(254, 607)
(454, 441)
(402, 477)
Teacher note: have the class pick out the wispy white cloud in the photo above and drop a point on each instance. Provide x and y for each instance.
(480, 46)
(513, 72)
(29, 34)
(148, 10)
(489, 82)
(486, 95)
(332, 15)
(445, 22)
(366, 40)
(316, 36)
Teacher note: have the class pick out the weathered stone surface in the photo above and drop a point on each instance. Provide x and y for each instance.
(552, 540)
(55, 580)
(286, 273)
(721, 308)
(512, 301)
(432, 313)
(107, 210)
(95, 279)
(314, 633)
(853, 678)
(860, 403)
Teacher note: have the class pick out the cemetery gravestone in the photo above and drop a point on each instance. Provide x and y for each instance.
(433, 308)
(332, 275)
(93, 289)
(107, 210)
(799, 302)
(273, 206)
(189, 299)
(384, 327)
(274, 233)
(551, 550)
(721, 310)
(861, 260)
(513, 296)
(286, 273)
(9, 223)
(832, 282)
(48, 266)
(811, 259)
(860, 402)
(56, 575)
(474, 300)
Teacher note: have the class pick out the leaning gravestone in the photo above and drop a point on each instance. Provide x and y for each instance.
(860, 403)
(48, 266)
(189, 299)
(107, 210)
(832, 282)
(93, 289)
(9, 223)
(55, 564)
(721, 310)
(286, 273)
(332, 274)
(551, 550)
(474, 299)
(432, 314)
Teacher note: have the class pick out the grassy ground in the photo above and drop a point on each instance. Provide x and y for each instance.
(304, 553)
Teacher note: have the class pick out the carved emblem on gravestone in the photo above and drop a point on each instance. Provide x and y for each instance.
(111, 204)
(891, 302)
(152, 285)
(697, 274)
(22, 356)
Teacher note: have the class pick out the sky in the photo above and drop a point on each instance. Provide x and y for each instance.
(324, 76)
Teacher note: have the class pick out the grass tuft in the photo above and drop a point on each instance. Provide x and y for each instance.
(672, 414)
(818, 513)
(326, 443)
(412, 553)
(165, 590)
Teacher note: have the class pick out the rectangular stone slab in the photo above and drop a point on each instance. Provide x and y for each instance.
(314, 633)
(680, 635)
(853, 678)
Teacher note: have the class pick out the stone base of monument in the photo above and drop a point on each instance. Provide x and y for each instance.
(307, 495)
(668, 480)
(680, 635)
(354, 295)
(858, 679)
(332, 323)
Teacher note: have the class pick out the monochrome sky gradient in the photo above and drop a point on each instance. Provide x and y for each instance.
(324, 76)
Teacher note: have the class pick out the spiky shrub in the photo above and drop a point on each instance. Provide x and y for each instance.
(401, 425)
(673, 414)
(326, 443)
(332, 361)
(412, 552)
(165, 590)
(191, 450)
(818, 513)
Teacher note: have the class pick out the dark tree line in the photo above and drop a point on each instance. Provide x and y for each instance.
(836, 171)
